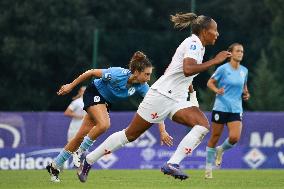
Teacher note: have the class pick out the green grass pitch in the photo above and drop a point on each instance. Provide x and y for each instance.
(144, 179)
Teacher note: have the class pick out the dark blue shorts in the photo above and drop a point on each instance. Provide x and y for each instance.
(92, 97)
(225, 117)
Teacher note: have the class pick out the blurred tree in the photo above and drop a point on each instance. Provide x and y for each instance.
(266, 91)
(276, 50)
(43, 44)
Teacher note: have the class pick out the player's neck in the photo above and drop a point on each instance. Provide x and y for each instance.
(132, 79)
(202, 40)
(235, 64)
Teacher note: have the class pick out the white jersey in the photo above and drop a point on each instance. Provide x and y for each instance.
(174, 84)
(77, 107)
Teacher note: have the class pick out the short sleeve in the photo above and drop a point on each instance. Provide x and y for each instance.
(106, 74)
(246, 78)
(218, 73)
(143, 90)
(192, 50)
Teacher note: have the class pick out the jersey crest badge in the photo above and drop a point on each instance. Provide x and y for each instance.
(131, 91)
(192, 47)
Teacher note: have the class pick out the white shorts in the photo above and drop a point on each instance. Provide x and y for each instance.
(156, 107)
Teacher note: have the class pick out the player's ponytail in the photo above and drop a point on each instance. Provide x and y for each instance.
(139, 62)
(197, 23)
(182, 21)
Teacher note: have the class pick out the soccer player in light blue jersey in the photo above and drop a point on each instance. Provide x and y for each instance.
(229, 82)
(113, 84)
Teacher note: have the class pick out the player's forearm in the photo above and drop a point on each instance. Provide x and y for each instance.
(212, 87)
(83, 77)
(69, 113)
(72, 115)
(192, 69)
(162, 127)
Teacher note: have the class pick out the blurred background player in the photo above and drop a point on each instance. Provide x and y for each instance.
(229, 82)
(114, 84)
(168, 97)
(76, 113)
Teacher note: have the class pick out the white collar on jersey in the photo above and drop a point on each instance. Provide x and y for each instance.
(195, 37)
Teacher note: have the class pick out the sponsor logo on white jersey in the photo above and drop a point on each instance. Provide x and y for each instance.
(192, 47)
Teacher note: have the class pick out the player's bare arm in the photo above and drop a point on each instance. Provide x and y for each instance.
(211, 84)
(190, 66)
(67, 88)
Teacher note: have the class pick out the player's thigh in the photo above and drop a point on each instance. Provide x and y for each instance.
(87, 124)
(190, 116)
(155, 107)
(137, 127)
(99, 114)
(235, 129)
(216, 132)
(217, 129)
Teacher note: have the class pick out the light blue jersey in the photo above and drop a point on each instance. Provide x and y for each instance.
(113, 85)
(233, 81)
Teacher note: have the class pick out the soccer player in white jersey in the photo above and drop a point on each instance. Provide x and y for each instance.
(229, 82)
(167, 97)
(110, 86)
(76, 113)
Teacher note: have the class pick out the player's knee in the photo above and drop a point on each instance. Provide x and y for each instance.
(103, 127)
(234, 139)
(131, 136)
(203, 122)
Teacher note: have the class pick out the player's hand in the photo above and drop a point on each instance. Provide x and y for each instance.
(166, 139)
(220, 91)
(221, 56)
(65, 89)
(246, 95)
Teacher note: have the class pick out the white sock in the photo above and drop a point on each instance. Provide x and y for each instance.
(111, 144)
(188, 144)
